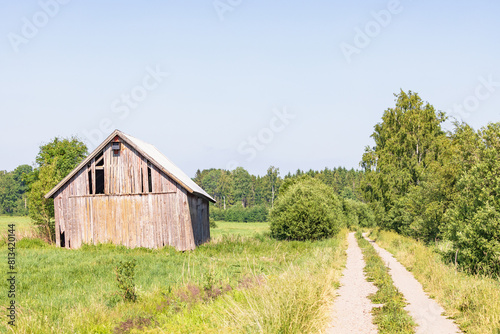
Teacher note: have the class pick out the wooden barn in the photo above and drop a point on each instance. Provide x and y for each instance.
(127, 192)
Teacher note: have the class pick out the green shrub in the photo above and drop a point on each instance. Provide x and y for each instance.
(212, 223)
(125, 272)
(306, 210)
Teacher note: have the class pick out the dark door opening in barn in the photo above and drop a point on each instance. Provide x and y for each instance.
(63, 241)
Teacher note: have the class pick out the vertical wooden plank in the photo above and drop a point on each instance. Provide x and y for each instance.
(96, 208)
(164, 235)
(93, 176)
(78, 220)
(151, 221)
(126, 220)
(159, 220)
(182, 225)
(198, 221)
(190, 242)
(57, 214)
(176, 221)
(154, 220)
(207, 219)
(169, 219)
(92, 220)
(145, 231)
(85, 220)
(119, 219)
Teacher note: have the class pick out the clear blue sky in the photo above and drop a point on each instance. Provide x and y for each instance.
(232, 65)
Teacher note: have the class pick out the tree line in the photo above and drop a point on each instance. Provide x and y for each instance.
(13, 190)
(244, 197)
(240, 187)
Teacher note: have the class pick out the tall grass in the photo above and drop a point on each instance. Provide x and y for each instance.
(472, 300)
(24, 228)
(296, 301)
(391, 317)
(275, 285)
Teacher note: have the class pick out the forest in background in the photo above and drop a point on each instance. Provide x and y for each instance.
(244, 197)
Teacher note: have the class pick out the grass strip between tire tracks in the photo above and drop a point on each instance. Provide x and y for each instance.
(391, 317)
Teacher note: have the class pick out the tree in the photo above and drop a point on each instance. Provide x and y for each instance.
(8, 192)
(273, 177)
(241, 185)
(407, 142)
(13, 187)
(473, 220)
(55, 160)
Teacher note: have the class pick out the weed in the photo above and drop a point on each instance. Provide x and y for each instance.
(125, 272)
(212, 223)
(138, 323)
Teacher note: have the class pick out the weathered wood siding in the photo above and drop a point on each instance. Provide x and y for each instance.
(127, 213)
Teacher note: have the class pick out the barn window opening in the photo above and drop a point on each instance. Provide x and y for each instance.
(90, 179)
(63, 241)
(96, 183)
(142, 182)
(99, 181)
(99, 174)
(99, 160)
(150, 181)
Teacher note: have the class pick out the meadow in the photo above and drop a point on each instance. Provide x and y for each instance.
(241, 281)
(23, 224)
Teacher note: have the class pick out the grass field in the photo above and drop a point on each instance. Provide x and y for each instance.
(23, 224)
(234, 284)
(243, 229)
(473, 301)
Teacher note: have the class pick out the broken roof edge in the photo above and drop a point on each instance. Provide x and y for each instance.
(194, 188)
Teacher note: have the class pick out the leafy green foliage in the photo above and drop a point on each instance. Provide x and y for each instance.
(212, 223)
(406, 145)
(125, 278)
(306, 210)
(55, 160)
(428, 184)
(13, 188)
(357, 214)
(474, 216)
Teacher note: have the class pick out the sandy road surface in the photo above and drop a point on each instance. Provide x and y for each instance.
(352, 308)
(425, 311)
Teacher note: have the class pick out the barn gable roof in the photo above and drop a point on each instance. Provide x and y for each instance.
(149, 152)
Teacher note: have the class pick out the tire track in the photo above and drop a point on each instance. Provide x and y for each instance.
(352, 308)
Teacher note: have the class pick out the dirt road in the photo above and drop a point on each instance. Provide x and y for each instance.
(426, 312)
(352, 309)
